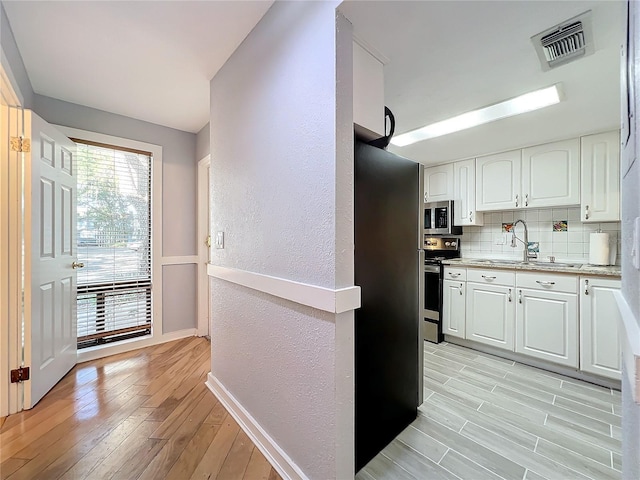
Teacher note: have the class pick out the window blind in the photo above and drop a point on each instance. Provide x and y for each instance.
(114, 243)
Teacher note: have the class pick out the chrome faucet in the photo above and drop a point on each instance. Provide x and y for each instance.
(526, 255)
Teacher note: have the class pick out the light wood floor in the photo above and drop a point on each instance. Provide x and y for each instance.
(141, 415)
(489, 418)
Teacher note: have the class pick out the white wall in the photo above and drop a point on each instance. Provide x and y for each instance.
(282, 192)
(630, 190)
(631, 292)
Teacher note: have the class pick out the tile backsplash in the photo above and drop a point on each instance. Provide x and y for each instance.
(558, 231)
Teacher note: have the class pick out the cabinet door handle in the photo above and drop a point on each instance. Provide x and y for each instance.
(517, 198)
(509, 295)
(454, 274)
(470, 216)
(460, 289)
(586, 287)
(488, 277)
(426, 197)
(519, 296)
(526, 200)
(586, 212)
(546, 284)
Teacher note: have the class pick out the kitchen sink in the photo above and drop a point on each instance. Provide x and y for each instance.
(557, 264)
(500, 262)
(533, 264)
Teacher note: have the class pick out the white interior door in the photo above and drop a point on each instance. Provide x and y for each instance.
(50, 343)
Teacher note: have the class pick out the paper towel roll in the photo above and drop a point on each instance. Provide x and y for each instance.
(599, 249)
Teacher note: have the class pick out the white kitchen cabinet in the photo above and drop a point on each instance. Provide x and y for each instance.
(600, 177)
(464, 194)
(551, 174)
(368, 94)
(498, 181)
(547, 326)
(490, 314)
(438, 183)
(600, 351)
(542, 176)
(453, 308)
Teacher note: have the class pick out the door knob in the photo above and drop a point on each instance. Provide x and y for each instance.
(75, 265)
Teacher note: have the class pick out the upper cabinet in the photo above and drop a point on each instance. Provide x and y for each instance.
(600, 177)
(438, 183)
(498, 181)
(542, 176)
(368, 94)
(464, 194)
(551, 174)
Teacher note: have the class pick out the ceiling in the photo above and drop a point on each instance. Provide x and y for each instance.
(153, 60)
(148, 60)
(449, 57)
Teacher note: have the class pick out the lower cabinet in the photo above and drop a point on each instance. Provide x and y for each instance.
(453, 308)
(600, 351)
(547, 326)
(490, 314)
(564, 319)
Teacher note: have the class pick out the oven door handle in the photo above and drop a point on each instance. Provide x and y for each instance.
(432, 268)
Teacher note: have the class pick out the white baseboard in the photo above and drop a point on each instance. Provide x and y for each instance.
(101, 351)
(280, 461)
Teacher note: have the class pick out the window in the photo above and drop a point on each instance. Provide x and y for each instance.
(114, 243)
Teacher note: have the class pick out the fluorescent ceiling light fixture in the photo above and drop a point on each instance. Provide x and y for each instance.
(515, 106)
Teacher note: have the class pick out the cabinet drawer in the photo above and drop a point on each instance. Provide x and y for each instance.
(454, 273)
(552, 282)
(494, 277)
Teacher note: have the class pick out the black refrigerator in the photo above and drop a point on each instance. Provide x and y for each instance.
(388, 266)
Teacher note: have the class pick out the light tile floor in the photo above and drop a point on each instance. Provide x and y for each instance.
(485, 417)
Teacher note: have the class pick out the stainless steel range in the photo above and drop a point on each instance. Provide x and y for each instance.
(436, 249)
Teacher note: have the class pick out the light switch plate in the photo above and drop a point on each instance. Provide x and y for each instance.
(220, 240)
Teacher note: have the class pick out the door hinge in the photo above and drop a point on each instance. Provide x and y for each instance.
(20, 374)
(20, 144)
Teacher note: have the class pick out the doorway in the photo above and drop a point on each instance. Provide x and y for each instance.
(204, 245)
(10, 264)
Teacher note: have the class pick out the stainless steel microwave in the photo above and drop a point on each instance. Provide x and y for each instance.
(438, 219)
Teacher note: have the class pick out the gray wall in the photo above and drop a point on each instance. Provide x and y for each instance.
(178, 163)
(202, 142)
(631, 277)
(14, 59)
(179, 174)
(282, 190)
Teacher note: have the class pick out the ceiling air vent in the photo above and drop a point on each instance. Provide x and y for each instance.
(565, 42)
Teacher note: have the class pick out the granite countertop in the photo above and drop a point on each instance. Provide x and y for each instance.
(560, 267)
